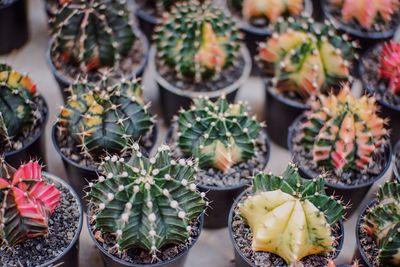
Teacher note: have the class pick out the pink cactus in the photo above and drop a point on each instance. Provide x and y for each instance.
(390, 66)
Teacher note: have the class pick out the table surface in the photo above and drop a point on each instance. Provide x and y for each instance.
(214, 248)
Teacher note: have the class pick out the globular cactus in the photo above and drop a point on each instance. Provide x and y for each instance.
(92, 34)
(270, 9)
(105, 116)
(390, 66)
(291, 217)
(306, 58)
(382, 221)
(343, 132)
(218, 134)
(147, 203)
(367, 12)
(197, 40)
(18, 110)
(26, 202)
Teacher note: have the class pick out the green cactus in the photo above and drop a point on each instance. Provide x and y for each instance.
(197, 41)
(382, 221)
(92, 34)
(147, 203)
(106, 116)
(218, 134)
(290, 216)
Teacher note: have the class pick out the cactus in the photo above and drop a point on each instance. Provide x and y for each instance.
(306, 58)
(218, 134)
(332, 264)
(367, 12)
(390, 66)
(18, 110)
(27, 202)
(289, 216)
(343, 132)
(106, 115)
(147, 203)
(382, 221)
(197, 41)
(270, 9)
(92, 34)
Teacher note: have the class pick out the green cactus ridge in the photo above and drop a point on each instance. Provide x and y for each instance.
(147, 202)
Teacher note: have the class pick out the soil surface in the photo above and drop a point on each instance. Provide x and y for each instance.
(368, 245)
(63, 225)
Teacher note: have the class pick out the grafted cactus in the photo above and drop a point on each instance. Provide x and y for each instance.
(26, 201)
(343, 132)
(382, 221)
(197, 41)
(367, 12)
(18, 110)
(92, 34)
(291, 217)
(270, 9)
(147, 203)
(218, 134)
(107, 115)
(390, 66)
(305, 57)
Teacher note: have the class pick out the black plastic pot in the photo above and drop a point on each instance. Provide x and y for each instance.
(14, 32)
(80, 176)
(65, 82)
(353, 194)
(318, 14)
(360, 254)
(172, 98)
(35, 149)
(241, 260)
(112, 261)
(147, 23)
(396, 170)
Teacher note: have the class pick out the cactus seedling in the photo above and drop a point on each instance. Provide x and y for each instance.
(147, 202)
(390, 66)
(197, 40)
(343, 132)
(218, 134)
(270, 9)
(291, 217)
(27, 202)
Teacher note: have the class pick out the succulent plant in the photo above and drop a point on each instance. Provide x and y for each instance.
(147, 202)
(92, 34)
(27, 202)
(332, 264)
(218, 134)
(18, 110)
(367, 12)
(306, 58)
(197, 40)
(105, 116)
(343, 132)
(291, 217)
(390, 66)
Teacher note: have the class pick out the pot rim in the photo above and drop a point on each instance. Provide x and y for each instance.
(9, 4)
(358, 225)
(147, 16)
(396, 170)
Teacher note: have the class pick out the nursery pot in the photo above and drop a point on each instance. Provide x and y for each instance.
(360, 254)
(240, 258)
(112, 261)
(172, 98)
(65, 82)
(318, 15)
(35, 149)
(396, 170)
(147, 22)
(13, 25)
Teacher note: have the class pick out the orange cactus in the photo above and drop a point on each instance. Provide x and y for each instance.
(271, 9)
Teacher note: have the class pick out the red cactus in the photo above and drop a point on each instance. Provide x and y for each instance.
(390, 65)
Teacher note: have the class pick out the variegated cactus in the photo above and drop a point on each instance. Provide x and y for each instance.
(197, 40)
(343, 132)
(382, 221)
(306, 58)
(390, 66)
(147, 203)
(218, 134)
(291, 217)
(92, 34)
(26, 202)
(270, 9)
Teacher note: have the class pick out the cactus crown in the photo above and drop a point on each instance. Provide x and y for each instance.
(17, 107)
(197, 40)
(106, 115)
(147, 203)
(306, 58)
(390, 66)
(382, 221)
(27, 202)
(343, 132)
(290, 216)
(92, 34)
(218, 134)
(367, 13)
